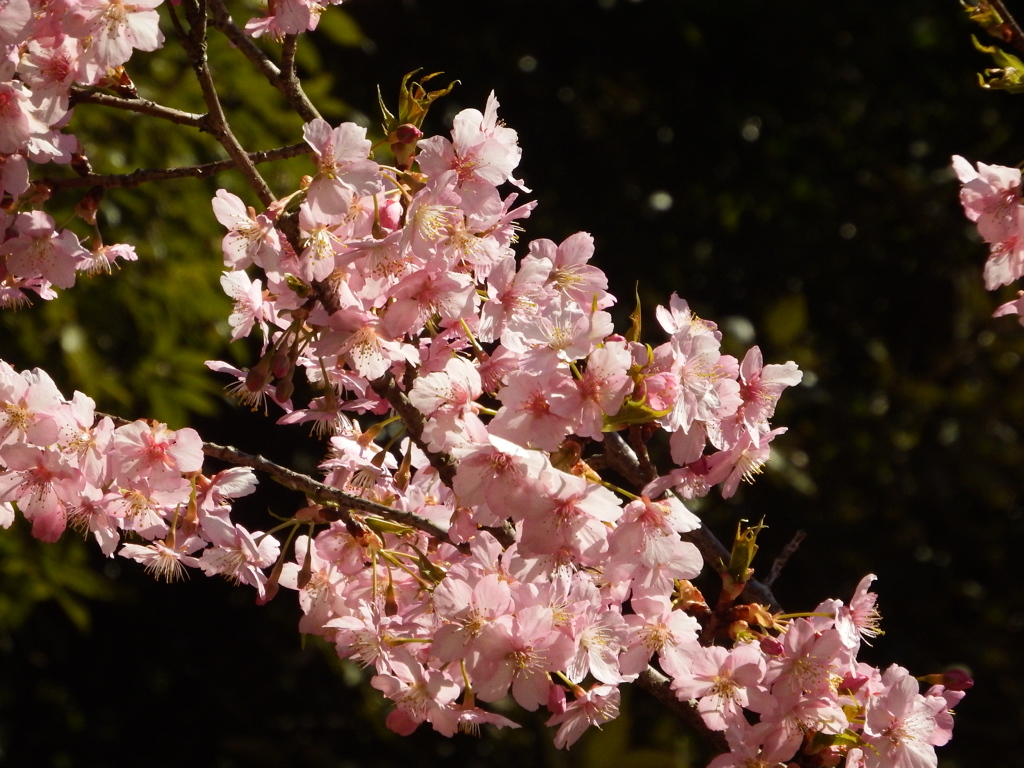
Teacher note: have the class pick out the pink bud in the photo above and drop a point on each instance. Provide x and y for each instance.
(407, 133)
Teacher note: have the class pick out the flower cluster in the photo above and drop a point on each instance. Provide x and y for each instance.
(991, 197)
(493, 520)
(47, 50)
(138, 481)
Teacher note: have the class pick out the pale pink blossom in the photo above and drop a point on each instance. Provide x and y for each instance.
(251, 238)
(343, 166)
(115, 29)
(595, 707)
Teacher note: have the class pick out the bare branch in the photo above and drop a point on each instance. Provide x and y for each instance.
(322, 492)
(387, 387)
(142, 176)
(288, 84)
(142, 106)
(291, 43)
(780, 562)
(216, 124)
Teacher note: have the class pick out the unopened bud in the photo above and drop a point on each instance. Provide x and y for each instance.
(771, 646)
(406, 133)
(390, 601)
(306, 571)
(284, 390)
(259, 375)
(280, 364)
(953, 680)
(853, 683)
(86, 208)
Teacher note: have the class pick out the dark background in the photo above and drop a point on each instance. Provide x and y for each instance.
(784, 167)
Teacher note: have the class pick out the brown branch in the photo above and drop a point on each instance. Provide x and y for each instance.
(288, 84)
(216, 124)
(314, 489)
(322, 492)
(290, 45)
(387, 387)
(142, 176)
(443, 463)
(141, 106)
(780, 562)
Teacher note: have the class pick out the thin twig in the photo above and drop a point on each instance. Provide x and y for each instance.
(142, 176)
(288, 85)
(780, 562)
(322, 492)
(142, 106)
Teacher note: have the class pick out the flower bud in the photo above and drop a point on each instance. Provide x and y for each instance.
(953, 680)
(771, 646)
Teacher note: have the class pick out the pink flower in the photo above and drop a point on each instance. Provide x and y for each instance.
(760, 387)
(419, 693)
(900, 724)
(29, 405)
(656, 628)
(159, 454)
(251, 238)
(343, 166)
(163, 562)
(237, 554)
(483, 153)
(535, 409)
(571, 275)
(743, 461)
(990, 197)
(19, 120)
(521, 653)
(721, 679)
(598, 705)
(41, 483)
(286, 17)
(38, 251)
(114, 29)
(250, 307)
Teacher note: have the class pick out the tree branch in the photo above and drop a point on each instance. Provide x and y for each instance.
(780, 562)
(142, 106)
(288, 84)
(322, 492)
(216, 123)
(314, 489)
(443, 463)
(142, 176)
(387, 387)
